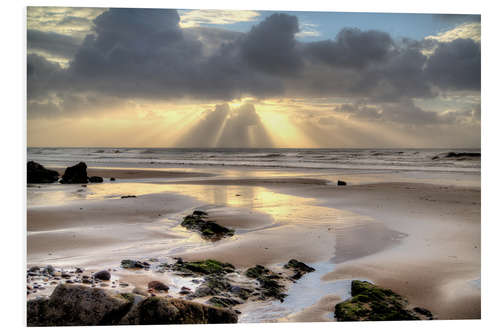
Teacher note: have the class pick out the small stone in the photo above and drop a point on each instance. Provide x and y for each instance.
(157, 285)
(103, 275)
(341, 183)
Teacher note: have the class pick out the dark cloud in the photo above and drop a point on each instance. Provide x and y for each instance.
(456, 65)
(271, 46)
(352, 48)
(42, 76)
(52, 43)
(143, 53)
(403, 111)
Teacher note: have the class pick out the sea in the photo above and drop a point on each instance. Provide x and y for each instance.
(425, 160)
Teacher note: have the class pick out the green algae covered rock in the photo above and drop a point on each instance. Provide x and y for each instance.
(372, 303)
(209, 230)
(160, 311)
(268, 281)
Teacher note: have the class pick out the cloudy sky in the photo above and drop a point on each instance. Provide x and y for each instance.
(204, 78)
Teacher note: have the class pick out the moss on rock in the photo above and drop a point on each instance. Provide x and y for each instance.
(208, 229)
(370, 302)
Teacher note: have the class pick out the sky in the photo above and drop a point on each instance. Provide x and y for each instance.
(212, 78)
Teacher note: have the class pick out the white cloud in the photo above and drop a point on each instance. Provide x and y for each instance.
(466, 30)
(195, 18)
(73, 21)
(308, 30)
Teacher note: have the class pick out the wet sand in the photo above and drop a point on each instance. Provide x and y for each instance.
(421, 240)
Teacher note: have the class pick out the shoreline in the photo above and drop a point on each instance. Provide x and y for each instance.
(264, 232)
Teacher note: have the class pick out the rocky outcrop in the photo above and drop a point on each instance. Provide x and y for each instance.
(372, 303)
(208, 229)
(161, 311)
(37, 174)
(74, 305)
(299, 268)
(268, 281)
(76, 174)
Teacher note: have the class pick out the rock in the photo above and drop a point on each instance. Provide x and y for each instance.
(424, 312)
(208, 229)
(128, 196)
(34, 269)
(77, 305)
(214, 285)
(267, 280)
(78, 270)
(140, 291)
(458, 156)
(185, 291)
(157, 285)
(160, 311)
(102, 275)
(37, 174)
(76, 174)
(369, 302)
(199, 213)
(299, 268)
(341, 183)
(208, 266)
(225, 302)
(127, 263)
(49, 270)
(96, 179)
(112, 179)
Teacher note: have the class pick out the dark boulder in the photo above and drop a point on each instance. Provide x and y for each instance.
(157, 285)
(112, 179)
(96, 179)
(77, 305)
(102, 275)
(161, 311)
(37, 174)
(341, 183)
(76, 174)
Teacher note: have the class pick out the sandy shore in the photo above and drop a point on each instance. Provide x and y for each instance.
(421, 240)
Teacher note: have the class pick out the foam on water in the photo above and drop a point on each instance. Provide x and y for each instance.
(342, 159)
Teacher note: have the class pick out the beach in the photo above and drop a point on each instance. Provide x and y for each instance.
(412, 227)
